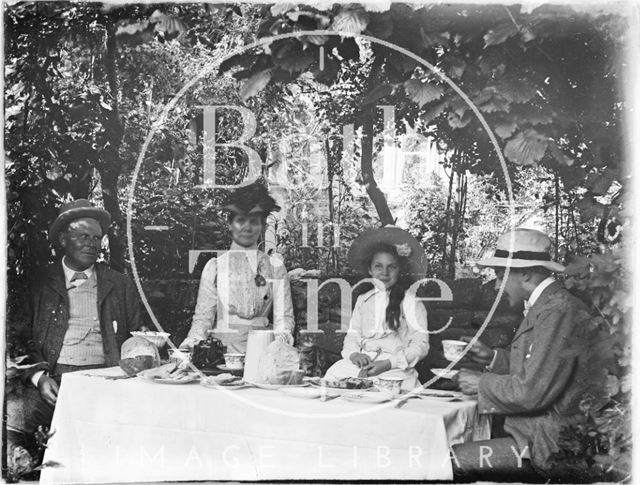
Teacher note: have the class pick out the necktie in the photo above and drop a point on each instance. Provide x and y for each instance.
(79, 276)
(527, 306)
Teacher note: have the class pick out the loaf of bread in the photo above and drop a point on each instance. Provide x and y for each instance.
(138, 354)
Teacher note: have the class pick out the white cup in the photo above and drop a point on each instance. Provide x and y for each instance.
(453, 349)
(234, 361)
(392, 385)
(179, 356)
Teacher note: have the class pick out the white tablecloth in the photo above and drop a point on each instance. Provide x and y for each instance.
(135, 430)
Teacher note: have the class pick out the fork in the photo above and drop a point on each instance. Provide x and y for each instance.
(363, 371)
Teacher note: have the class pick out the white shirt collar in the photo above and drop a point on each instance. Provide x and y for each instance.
(539, 289)
(374, 291)
(68, 272)
(252, 255)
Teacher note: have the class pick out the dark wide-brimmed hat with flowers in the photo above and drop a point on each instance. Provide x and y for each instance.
(78, 209)
(527, 248)
(406, 246)
(253, 199)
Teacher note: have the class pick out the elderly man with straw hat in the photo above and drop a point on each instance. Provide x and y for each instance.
(538, 385)
(81, 313)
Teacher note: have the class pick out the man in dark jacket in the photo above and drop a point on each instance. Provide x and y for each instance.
(81, 313)
(538, 385)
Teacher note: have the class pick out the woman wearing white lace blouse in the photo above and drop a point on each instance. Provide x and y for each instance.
(239, 287)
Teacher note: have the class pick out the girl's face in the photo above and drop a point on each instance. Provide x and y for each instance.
(386, 268)
(246, 230)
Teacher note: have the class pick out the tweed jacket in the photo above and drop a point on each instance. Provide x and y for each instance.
(117, 302)
(538, 385)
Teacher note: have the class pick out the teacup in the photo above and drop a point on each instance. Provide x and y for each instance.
(179, 356)
(234, 361)
(453, 349)
(391, 385)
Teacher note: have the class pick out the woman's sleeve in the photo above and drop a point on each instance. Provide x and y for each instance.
(283, 321)
(354, 335)
(205, 313)
(415, 337)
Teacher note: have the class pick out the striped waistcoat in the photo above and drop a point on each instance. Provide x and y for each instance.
(82, 343)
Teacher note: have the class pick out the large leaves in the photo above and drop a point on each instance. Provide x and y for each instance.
(380, 26)
(377, 93)
(526, 148)
(352, 20)
(559, 155)
(500, 33)
(255, 84)
(422, 92)
(433, 112)
(291, 56)
(516, 90)
(504, 129)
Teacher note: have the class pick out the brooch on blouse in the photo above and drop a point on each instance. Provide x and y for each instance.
(259, 279)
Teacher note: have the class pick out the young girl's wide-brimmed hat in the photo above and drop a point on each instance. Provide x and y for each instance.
(253, 199)
(527, 247)
(406, 245)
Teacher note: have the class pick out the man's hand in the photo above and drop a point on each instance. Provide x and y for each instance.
(468, 381)
(479, 352)
(48, 389)
(378, 367)
(361, 360)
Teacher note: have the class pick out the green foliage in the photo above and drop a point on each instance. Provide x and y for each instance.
(545, 78)
(597, 445)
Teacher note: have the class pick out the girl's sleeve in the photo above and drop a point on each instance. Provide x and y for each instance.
(205, 313)
(354, 335)
(283, 321)
(415, 337)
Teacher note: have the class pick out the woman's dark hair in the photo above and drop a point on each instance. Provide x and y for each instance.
(397, 291)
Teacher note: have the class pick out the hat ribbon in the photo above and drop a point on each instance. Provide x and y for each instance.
(530, 255)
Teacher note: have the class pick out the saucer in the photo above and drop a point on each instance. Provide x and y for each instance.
(239, 371)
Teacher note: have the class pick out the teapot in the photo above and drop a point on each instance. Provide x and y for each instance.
(208, 353)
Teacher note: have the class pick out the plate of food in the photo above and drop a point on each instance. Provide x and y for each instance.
(445, 373)
(346, 384)
(171, 373)
(227, 381)
(368, 397)
(180, 379)
(442, 395)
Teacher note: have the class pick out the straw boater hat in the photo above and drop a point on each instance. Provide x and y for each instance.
(529, 248)
(252, 199)
(406, 245)
(78, 209)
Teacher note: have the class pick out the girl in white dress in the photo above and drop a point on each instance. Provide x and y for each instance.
(387, 334)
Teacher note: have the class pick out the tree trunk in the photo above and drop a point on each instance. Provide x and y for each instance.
(458, 221)
(332, 260)
(110, 165)
(366, 159)
(376, 195)
(448, 212)
(557, 201)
